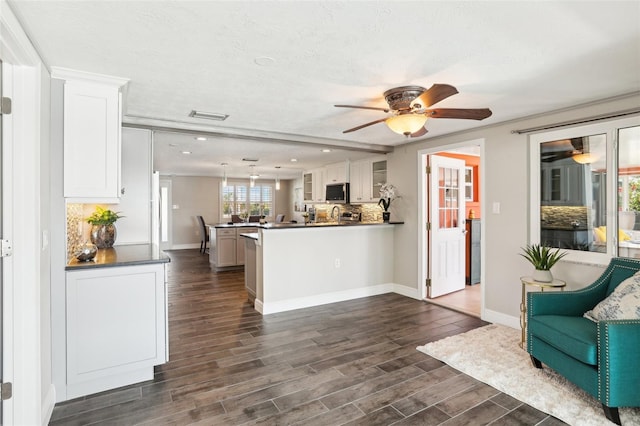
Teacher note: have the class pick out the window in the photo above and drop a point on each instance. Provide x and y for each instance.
(239, 197)
(468, 183)
(580, 177)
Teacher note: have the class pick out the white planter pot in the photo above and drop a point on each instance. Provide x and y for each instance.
(542, 276)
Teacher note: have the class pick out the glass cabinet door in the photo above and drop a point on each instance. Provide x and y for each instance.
(379, 177)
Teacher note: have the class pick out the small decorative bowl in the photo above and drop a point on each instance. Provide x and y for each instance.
(86, 252)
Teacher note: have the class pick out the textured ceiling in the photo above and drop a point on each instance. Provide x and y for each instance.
(278, 67)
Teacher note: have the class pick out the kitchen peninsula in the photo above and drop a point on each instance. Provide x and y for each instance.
(298, 265)
(116, 319)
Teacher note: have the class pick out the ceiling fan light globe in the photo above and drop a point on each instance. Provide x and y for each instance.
(584, 158)
(406, 124)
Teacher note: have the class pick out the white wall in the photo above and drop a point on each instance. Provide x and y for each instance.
(308, 267)
(193, 196)
(506, 181)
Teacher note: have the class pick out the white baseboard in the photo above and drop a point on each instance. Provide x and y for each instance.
(259, 306)
(500, 318)
(47, 405)
(185, 246)
(323, 299)
(403, 290)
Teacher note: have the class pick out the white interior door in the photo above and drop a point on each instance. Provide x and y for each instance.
(446, 234)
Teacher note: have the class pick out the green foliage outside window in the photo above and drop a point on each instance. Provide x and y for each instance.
(634, 194)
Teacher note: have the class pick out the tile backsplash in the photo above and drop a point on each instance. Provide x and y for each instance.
(78, 230)
(564, 216)
(370, 212)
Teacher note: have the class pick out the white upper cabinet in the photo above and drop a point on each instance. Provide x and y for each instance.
(314, 186)
(367, 176)
(337, 173)
(360, 181)
(92, 123)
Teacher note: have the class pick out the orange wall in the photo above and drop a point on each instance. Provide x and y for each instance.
(470, 161)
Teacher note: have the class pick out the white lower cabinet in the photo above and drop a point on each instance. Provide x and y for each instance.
(116, 326)
(227, 246)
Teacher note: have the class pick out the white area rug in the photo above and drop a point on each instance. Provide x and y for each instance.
(491, 354)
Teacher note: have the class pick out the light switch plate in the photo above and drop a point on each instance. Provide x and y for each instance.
(496, 207)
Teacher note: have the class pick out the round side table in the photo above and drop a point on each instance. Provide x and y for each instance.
(555, 284)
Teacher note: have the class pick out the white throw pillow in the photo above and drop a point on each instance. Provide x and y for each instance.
(623, 303)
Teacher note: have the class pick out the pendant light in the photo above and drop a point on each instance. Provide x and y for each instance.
(224, 172)
(252, 177)
(277, 180)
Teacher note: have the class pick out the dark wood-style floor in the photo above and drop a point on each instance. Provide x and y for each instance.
(351, 363)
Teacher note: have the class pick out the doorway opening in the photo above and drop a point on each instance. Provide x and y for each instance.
(451, 189)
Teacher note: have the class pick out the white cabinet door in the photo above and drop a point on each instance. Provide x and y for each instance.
(307, 182)
(360, 181)
(135, 195)
(378, 177)
(319, 186)
(226, 250)
(337, 173)
(116, 326)
(91, 141)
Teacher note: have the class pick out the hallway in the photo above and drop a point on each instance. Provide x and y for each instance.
(468, 301)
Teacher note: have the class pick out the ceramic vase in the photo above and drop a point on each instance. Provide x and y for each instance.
(103, 236)
(542, 276)
(386, 216)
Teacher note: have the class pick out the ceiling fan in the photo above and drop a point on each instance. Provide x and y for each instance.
(575, 148)
(409, 108)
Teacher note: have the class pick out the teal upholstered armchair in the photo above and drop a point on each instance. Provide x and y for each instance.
(603, 357)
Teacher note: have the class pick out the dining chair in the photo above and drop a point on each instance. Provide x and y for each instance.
(204, 235)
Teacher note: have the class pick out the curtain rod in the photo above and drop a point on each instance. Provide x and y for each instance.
(584, 120)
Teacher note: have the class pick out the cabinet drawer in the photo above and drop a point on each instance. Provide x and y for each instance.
(226, 232)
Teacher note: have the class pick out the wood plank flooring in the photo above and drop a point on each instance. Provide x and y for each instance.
(348, 363)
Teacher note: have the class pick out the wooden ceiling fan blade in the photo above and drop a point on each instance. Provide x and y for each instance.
(434, 94)
(362, 107)
(463, 113)
(419, 133)
(365, 125)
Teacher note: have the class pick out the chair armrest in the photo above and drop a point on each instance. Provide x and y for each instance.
(568, 303)
(618, 352)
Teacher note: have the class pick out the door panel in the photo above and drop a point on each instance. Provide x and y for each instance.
(446, 237)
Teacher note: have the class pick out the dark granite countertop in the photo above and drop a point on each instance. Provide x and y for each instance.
(129, 255)
(287, 225)
(237, 225)
(564, 228)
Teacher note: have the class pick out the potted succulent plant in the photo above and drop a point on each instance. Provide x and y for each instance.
(388, 193)
(542, 258)
(103, 229)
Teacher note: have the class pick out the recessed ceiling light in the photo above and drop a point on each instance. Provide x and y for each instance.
(200, 138)
(293, 160)
(326, 150)
(250, 159)
(186, 152)
(264, 61)
(208, 115)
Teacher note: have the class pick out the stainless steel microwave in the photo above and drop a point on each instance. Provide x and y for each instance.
(337, 193)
